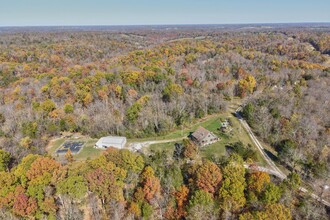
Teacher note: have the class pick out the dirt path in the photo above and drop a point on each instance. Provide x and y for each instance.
(274, 169)
(269, 161)
(140, 145)
(262, 169)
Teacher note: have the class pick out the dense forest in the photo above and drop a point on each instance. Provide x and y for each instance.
(144, 82)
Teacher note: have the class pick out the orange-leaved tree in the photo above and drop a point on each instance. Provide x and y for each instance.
(208, 177)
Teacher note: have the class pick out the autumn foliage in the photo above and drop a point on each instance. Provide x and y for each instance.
(208, 177)
(143, 83)
(257, 181)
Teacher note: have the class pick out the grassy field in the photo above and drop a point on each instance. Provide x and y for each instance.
(55, 145)
(88, 151)
(212, 123)
(169, 147)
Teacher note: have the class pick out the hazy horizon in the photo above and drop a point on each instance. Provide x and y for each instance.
(20, 13)
(173, 25)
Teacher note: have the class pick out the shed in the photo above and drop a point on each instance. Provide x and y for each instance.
(111, 141)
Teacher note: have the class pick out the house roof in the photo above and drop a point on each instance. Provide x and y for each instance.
(201, 133)
(111, 140)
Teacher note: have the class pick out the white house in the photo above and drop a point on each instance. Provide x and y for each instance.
(111, 141)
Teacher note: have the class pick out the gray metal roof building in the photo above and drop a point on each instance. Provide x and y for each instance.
(111, 141)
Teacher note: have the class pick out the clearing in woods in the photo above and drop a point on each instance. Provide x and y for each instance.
(210, 122)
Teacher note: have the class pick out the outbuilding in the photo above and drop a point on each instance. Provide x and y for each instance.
(111, 141)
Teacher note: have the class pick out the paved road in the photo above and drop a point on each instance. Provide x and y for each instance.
(274, 169)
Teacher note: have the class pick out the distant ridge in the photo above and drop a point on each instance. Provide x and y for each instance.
(163, 27)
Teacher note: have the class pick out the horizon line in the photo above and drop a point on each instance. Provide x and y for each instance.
(162, 24)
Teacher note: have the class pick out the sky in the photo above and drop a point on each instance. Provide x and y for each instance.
(148, 12)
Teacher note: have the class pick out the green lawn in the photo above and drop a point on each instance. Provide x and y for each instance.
(169, 147)
(57, 143)
(88, 150)
(214, 150)
(212, 123)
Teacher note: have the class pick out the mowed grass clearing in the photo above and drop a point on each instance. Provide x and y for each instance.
(87, 152)
(212, 123)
